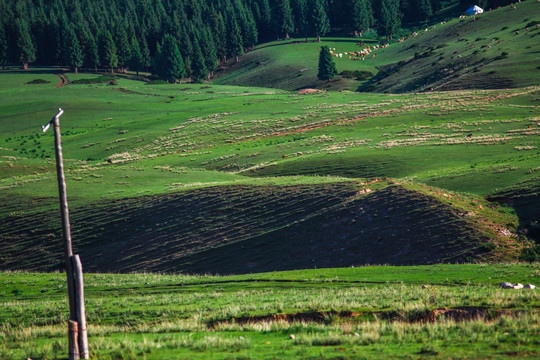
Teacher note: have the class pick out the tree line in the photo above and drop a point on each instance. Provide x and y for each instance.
(179, 38)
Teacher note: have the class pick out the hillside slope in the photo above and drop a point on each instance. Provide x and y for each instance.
(497, 49)
(237, 229)
(198, 177)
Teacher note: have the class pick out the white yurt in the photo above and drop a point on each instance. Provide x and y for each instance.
(474, 10)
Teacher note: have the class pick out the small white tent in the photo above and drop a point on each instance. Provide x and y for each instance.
(474, 10)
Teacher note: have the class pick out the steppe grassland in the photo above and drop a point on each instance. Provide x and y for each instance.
(196, 134)
(177, 316)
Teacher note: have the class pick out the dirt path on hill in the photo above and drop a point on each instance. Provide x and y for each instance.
(63, 81)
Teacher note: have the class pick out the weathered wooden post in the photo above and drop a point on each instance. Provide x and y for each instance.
(81, 312)
(78, 341)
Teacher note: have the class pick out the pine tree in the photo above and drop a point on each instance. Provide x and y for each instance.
(146, 59)
(25, 49)
(235, 46)
(3, 47)
(209, 51)
(266, 11)
(123, 46)
(390, 18)
(42, 35)
(285, 18)
(74, 53)
(107, 48)
(423, 9)
(435, 5)
(301, 16)
(198, 67)
(135, 62)
(327, 67)
(218, 33)
(185, 45)
(265, 20)
(252, 34)
(169, 64)
(319, 19)
(362, 16)
(91, 54)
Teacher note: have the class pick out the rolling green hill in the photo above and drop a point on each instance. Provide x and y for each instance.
(497, 49)
(225, 179)
(238, 229)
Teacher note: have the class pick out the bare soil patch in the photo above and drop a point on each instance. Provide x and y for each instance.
(454, 314)
(309, 91)
(62, 81)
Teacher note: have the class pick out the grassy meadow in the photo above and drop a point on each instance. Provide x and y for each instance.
(349, 313)
(139, 156)
(234, 219)
(494, 50)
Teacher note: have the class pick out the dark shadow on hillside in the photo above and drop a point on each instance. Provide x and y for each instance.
(248, 229)
(527, 207)
(394, 226)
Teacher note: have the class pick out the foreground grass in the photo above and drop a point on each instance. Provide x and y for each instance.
(155, 316)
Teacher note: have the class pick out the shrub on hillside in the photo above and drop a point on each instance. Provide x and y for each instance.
(531, 254)
(38, 81)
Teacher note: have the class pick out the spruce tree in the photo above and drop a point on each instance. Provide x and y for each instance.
(435, 5)
(108, 55)
(219, 32)
(170, 65)
(135, 62)
(91, 54)
(319, 19)
(285, 18)
(123, 47)
(390, 18)
(301, 16)
(327, 67)
(235, 46)
(25, 49)
(265, 21)
(74, 53)
(362, 16)
(252, 34)
(185, 45)
(209, 51)
(198, 68)
(423, 9)
(146, 59)
(3, 47)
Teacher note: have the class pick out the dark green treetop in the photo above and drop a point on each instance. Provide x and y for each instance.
(327, 67)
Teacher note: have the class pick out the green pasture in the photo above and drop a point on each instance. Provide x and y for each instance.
(299, 314)
(188, 133)
(497, 49)
(130, 141)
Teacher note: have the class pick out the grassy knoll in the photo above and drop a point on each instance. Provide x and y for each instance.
(350, 313)
(382, 178)
(497, 49)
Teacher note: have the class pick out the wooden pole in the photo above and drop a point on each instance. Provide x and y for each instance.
(68, 251)
(73, 336)
(81, 313)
